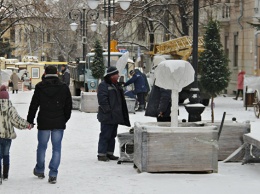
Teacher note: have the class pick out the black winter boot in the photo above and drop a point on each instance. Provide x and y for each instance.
(39, 175)
(52, 180)
(5, 172)
(103, 158)
(112, 157)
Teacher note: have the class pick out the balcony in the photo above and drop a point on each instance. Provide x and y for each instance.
(219, 11)
(223, 13)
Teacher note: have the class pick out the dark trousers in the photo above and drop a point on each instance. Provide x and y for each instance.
(106, 143)
(5, 145)
(140, 98)
(238, 92)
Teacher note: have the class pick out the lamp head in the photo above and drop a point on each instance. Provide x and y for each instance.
(93, 27)
(124, 4)
(93, 3)
(73, 26)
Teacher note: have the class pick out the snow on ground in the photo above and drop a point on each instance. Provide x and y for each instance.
(80, 172)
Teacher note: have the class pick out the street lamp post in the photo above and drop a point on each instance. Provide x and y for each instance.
(43, 56)
(83, 16)
(195, 93)
(195, 41)
(195, 110)
(108, 8)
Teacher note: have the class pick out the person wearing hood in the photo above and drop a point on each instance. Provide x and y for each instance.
(240, 84)
(53, 99)
(65, 75)
(112, 111)
(9, 118)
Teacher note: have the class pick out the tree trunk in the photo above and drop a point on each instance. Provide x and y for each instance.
(212, 109)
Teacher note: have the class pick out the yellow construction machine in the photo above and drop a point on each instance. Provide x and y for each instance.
(178, 48)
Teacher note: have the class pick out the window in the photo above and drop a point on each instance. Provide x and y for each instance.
(36, 72)
(140, 31)
(236, 49)
(48, 38)
(12, 35)
(20, 35)
(226, 48)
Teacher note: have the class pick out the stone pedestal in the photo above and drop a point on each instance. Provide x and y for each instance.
(89, 102)
(187, 148)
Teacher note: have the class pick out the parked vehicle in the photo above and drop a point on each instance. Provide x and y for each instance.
(81, 75)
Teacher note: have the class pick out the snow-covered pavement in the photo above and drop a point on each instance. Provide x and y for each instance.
(80, 172)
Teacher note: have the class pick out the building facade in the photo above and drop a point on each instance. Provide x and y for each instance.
(238, 35)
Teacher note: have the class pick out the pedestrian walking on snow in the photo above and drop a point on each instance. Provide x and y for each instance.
(240, 84)
(15, 79)
(9, 118)
(53, 99)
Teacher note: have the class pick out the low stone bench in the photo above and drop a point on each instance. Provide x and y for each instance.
(89, 102)
(252, 139)
(231, 138)
(76, 102)
(251, 148)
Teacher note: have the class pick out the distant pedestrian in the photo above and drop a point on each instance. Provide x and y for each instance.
(146, 94)
(53, 99)
(65, 75)
(112, 112)
(15, 79)
(26, 80)
(9, 119)
(240, 84)
(139, 87)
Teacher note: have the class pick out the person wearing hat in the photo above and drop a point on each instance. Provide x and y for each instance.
(112, 111)
(140, 87)
(65, 75)
(9, 118)
(53, 99)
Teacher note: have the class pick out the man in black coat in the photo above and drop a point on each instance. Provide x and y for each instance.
(112, 112)
(65, 75)
(159, 104)
(54, 101)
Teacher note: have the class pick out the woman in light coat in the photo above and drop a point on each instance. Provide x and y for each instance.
(15, 79)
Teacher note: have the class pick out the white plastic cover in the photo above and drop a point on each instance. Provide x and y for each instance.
(174, 74)
(121, 63)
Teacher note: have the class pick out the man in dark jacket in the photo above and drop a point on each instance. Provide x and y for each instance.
(140, 87)
(112, 111)
(159, 104)
(65, 75)
(53, 99)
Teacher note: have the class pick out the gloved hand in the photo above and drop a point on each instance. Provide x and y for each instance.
(160, 114)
